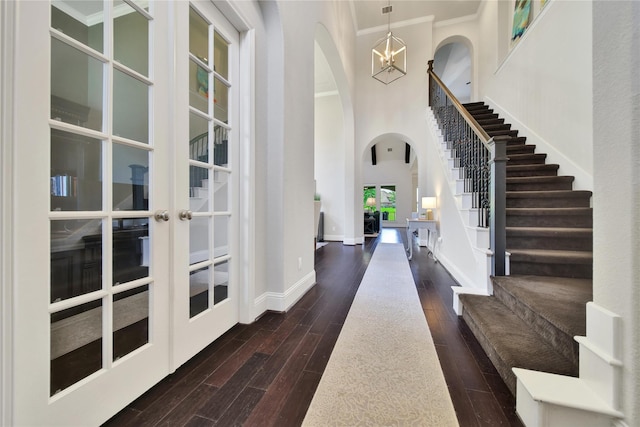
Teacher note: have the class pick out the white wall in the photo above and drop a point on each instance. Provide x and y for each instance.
(329, 164)
(543, 87)
(616, 199)
(397, 108)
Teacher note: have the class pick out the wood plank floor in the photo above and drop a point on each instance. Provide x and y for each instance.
(265, 374)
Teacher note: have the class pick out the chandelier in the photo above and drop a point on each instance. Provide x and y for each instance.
(389, 55)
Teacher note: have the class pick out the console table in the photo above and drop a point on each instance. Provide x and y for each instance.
(415, 224)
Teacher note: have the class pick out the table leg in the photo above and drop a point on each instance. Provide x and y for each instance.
(409, 242)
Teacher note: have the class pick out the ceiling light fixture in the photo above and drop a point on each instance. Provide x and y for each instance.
(389, 55)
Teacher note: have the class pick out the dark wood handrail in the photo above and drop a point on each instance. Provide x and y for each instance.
(463, 111)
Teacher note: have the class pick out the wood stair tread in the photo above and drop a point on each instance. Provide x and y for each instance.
(549, 231)
(551, 256)
(549, 193)
(515, 179)
(548, 211)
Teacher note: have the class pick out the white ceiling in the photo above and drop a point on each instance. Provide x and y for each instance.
(368, 13)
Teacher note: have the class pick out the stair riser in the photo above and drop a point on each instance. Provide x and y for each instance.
(531, 172)
(537, 202)
(579, 271)
(559, 340)
(496, 126)
(485, 115)
(527, 160)
(577, 221)
(539, 186)
(520, 149)
(502, 133)
(552, 243)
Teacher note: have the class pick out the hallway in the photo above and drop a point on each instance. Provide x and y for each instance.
(266, 373)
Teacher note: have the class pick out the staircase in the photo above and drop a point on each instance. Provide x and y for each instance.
(534, 313)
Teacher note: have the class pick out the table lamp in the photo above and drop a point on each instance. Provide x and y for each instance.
(429, 203)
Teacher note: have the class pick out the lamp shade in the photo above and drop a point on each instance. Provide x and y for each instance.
(371, 201)
(429, 203)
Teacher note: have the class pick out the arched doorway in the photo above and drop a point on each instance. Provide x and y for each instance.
(452, 63)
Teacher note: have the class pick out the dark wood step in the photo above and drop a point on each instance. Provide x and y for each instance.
(496, 126)
(555, 307)
(548, 199)
(532, 170)
(520, 149)
(554, 238)
(474, 104)
(543, 262)
(505, 132)
(509, 341)
(537, 183)
(485, 116)
(481, 111)
(549, 217)
(485, 122)
(516, 140)
(527, 159)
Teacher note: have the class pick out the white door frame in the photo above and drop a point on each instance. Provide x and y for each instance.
(7, 49)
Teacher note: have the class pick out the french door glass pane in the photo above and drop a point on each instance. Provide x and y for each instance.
(220, 55)
(76, 344)
(199, 290)
(76, 172)
(220, 101)
(76, 86)
(198, 138)
(199, 188)
(131, 38)
(76, 258)
(130, 321)
(130, 249)
(199, 232)
(221, 146)
(81, 20)
(221, 195)
(130, 178)
(220, 235)
(220, 282)
(198, 87)
(198, 36)
(130, 107)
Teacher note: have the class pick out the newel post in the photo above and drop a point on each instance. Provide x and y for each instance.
(498, 203)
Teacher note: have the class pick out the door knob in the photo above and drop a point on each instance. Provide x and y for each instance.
(161, 216)
(185, 215)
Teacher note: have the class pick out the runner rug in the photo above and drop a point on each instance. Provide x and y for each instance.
(384, 370)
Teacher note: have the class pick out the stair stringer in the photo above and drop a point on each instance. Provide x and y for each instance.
(591, 400)
(478, 237)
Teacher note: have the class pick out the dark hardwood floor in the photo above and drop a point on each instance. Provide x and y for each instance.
(265, 374)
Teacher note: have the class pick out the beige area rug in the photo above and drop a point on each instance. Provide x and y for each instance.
(384, 370)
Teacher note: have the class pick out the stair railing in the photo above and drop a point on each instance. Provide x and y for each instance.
(481, 161)
(199, 150)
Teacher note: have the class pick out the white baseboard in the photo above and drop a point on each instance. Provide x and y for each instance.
(334, 237)
(283, 301)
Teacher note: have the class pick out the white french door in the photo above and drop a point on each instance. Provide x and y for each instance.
(205, 184)
(124, 219)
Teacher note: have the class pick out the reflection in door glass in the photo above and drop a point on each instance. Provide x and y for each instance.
(130, 107)
(131, 249)
(220, 101)
(221, 56)
(76, 258)
(220, 282)
(131, 38)
(130, 321)
(220, 235)
(198, 138)
(76, 344)
(76, 86)
(198, 87)
(130, 178)
(198, 36)
(199, 188)
(87, 29)
(221, 146)
(76, 172)
(199, 290)
(199, 232)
